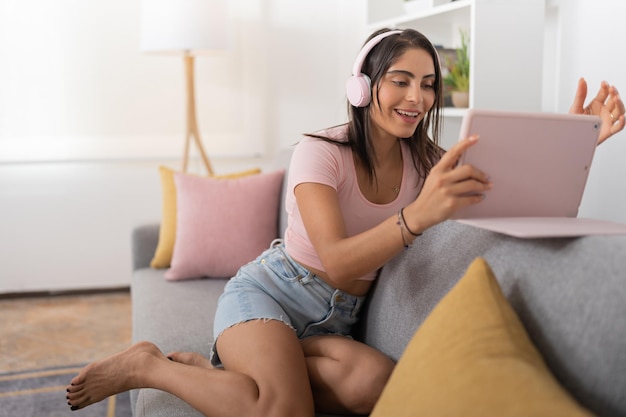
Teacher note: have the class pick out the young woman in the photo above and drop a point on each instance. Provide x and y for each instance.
(358, 194)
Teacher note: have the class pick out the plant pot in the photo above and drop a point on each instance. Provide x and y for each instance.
(460, 99)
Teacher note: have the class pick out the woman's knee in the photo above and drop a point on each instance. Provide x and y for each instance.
(269, 353)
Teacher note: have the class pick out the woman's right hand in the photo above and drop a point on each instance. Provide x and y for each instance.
(447, 188)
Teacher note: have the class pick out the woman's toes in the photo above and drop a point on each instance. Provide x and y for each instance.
(77, 380)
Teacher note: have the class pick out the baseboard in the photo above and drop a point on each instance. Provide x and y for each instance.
(61, 293)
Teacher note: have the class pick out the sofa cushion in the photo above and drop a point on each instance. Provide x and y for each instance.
(472, 357)
(175, 316)
(223, 224)
(167, 232)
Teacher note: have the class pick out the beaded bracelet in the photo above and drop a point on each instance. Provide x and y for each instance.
(401, 217)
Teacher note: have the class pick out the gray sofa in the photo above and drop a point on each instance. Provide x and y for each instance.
(569, 293)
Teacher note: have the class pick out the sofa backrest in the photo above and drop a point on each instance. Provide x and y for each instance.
(570, 294)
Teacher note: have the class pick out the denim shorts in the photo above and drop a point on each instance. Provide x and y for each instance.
(275, 287)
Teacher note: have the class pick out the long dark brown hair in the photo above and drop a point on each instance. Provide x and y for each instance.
(425, 150)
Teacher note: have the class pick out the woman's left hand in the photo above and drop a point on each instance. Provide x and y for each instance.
(607, 104)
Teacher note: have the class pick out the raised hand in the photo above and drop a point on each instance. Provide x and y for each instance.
(607, 104)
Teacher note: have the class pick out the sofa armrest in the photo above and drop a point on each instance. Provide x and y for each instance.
(144, 240)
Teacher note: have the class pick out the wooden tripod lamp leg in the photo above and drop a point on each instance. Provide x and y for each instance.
(192, 124)
(186, 152)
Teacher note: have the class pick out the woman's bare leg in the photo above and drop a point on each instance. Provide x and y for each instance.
(331, 375)
(271, 354)
(347, 377)
(144, 366)
(265, 375)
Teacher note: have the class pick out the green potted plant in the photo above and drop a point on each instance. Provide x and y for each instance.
(458, 75)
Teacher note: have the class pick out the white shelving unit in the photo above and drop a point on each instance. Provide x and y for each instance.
(505, 45)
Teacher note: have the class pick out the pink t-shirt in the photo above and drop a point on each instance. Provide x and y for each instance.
(315, 160)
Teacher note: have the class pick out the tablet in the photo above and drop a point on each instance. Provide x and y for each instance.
(538, 162)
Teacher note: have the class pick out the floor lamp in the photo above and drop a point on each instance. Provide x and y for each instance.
(186, 28)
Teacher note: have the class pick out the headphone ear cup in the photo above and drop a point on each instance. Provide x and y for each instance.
(358, 90)
(358, 87)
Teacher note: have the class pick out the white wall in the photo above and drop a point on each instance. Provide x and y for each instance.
(85, 119)
(75, 86)
(589, 37)
(313, 45)
(67, 225)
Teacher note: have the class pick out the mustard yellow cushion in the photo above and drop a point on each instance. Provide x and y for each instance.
(473, 357)
(167, 231)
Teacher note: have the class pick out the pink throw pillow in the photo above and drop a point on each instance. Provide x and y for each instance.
(223, 224)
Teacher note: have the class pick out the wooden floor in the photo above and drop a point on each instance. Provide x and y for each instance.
(41, 332)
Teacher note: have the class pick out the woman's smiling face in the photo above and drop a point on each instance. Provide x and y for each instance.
(406, 92)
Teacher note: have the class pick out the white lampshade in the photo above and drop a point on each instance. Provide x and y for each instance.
(184, 26)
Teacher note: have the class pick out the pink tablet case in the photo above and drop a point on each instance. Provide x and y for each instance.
(539, 163)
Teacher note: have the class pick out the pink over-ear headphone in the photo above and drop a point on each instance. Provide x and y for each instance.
(358, 87)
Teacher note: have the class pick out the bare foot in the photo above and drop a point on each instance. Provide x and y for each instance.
(190, 358)
(113, 375)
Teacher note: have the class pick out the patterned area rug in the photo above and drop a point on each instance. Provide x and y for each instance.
(42, 394)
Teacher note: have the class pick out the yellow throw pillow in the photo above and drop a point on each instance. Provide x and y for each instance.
(473, 357)
(167, 231)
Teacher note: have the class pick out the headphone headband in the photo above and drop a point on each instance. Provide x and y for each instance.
(358, 86)
(360, 58)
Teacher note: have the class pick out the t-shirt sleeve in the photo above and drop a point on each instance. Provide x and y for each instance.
(315, 160)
